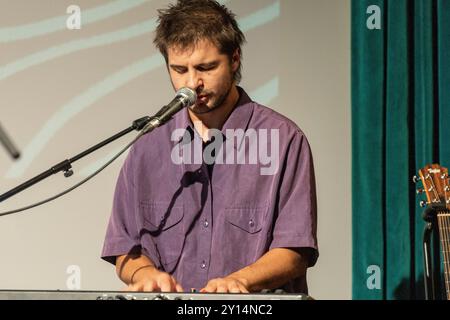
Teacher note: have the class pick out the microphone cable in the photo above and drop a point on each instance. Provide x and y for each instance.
(79, 184)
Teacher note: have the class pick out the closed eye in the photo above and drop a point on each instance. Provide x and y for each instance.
(205, 69)
(179, 69)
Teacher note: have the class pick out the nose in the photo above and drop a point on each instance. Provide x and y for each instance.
(195, 81)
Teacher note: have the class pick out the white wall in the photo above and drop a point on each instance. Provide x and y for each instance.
(316, 94)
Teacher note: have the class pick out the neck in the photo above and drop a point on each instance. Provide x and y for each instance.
(216, 118)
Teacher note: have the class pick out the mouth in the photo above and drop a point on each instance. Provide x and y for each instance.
(202, 99)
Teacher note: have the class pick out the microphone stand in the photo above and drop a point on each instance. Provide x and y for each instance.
(66, 165)
(7, 143)
(431, 261)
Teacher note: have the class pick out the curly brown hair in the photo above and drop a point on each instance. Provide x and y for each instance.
(187, 22)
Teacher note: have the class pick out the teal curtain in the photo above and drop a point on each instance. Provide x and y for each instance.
(400, 110)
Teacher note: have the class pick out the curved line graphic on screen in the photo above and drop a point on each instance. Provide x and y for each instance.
(265, 94)
(260, 17)
(77, 45)
(134, 31)
(78, 104)
(59, 23)
(108, 85)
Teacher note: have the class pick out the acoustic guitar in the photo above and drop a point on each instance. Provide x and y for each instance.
(435, 181)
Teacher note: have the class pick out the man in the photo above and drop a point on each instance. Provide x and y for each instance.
(213, 226)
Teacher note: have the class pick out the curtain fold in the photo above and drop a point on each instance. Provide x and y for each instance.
(400, 105)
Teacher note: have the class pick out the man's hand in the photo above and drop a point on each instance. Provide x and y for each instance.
(150, 279)
(226, 285)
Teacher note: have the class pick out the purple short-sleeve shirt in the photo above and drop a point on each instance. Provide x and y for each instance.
(199, 224)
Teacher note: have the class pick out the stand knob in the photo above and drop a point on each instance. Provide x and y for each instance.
(68, 173)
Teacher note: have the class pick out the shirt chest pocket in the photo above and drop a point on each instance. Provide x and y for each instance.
(249, 220)
(163, 232)
(244, 238)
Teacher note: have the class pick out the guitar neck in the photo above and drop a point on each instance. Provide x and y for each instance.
(444, 235)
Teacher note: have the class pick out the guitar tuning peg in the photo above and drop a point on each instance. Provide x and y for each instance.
(444, 176)
(447, 189)
(415, 179)
(423, 204)
(420, 191)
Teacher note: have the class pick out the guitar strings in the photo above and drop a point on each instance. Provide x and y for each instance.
(446, 244)
(443, 221)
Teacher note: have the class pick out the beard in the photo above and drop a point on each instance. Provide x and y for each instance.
(216, 100)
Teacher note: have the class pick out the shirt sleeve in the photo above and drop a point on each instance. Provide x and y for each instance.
(296, 223)
(122, 235)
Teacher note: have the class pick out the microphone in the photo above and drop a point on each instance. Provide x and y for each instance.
(9, 146)
(185, 97)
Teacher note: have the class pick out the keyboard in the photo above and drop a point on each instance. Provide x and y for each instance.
(111, 295)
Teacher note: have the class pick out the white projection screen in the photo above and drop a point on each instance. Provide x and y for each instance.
(63, 89)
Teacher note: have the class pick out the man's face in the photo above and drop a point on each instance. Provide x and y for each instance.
(205, 70)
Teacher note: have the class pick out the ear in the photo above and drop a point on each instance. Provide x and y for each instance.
(236, 60)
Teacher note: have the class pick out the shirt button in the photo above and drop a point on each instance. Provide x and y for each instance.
(206, 224)
(203, 265)
(251, 223)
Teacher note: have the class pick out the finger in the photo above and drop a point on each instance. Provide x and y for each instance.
(166, 285)
(151, 286)
(179, 288)
(222, 288)
(242, 288)
(173, 285)
(234, 288)
(211, 287)
(132, 287)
